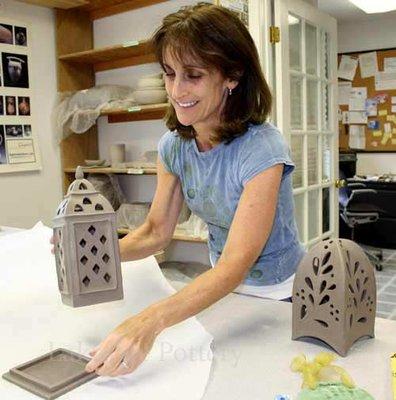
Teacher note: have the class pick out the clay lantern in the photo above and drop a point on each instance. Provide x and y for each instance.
(86, 247)
(334, 295)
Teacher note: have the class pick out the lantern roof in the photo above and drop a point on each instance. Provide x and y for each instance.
(82, 198)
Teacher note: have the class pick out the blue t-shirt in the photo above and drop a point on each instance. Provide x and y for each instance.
(213, 182)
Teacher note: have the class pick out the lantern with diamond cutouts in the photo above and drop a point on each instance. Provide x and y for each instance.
(86, 247)
(334, 295)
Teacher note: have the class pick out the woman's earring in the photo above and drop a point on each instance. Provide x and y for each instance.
(229, 91)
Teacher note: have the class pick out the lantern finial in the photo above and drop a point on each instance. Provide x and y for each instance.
(79, 173)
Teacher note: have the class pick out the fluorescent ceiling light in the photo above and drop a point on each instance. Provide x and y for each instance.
(375, 6)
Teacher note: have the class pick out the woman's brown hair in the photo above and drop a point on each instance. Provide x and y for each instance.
(217, 38)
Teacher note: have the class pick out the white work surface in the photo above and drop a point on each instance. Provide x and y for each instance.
(252, 348)
(33, 321)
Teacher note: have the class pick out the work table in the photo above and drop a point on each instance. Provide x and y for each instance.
(253, 350)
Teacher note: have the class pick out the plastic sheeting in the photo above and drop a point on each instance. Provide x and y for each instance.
(78, 111)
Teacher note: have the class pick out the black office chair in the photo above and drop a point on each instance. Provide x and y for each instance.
(357, 207)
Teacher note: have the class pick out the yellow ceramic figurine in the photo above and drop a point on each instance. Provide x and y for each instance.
(322, 380)
(320, 370)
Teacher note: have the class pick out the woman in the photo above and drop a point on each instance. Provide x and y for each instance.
(231, 168)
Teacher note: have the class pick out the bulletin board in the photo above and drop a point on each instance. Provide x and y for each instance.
(376, 140)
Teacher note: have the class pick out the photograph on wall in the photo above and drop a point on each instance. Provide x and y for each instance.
(10, 105)
(6, 36)
(27, 130)
(15, 70)
(19, 146)
(13, 131)
(23, 105)
(20, 33)
(3, 156)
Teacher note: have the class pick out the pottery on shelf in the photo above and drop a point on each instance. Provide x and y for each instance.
(150, 96)
(94, 163)
(150, 83)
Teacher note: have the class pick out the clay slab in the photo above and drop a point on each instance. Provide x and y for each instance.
(52, 374)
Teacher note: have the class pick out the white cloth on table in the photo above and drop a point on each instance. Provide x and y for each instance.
(33, 321)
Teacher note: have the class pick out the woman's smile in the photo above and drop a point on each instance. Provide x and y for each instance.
(186, 104)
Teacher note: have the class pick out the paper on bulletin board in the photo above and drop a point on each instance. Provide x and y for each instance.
(393, 100)
(357, 104)
(385, 81)
(377, 133)
(19, 149)
(393, 109)
(357, 99)
(371, 108)
(357, 117)
(390, 64)
(368, 64)
(357, 137)
(385, 138)
(388, 128)
(347, 67)
(344, 89)
(358, 92)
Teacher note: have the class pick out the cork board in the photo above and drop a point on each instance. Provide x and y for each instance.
(373, 143)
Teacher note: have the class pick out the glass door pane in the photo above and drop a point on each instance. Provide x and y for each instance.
(313, 207)
(312, 105)
(327, 160)
(297, 151)
(313, 165)
(294, 42)
(296, 116)
(326, 210)
(299, 212)
(311, 49)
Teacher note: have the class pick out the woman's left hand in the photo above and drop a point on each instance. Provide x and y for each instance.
(125, 348)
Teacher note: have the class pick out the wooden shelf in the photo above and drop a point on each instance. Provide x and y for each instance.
(63, 4)
(103, 8)
(137, 113)
(96, 8)
(184, 238)
(111, 57)
(110, 170)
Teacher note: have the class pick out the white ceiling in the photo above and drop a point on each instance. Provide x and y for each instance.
(343, 10)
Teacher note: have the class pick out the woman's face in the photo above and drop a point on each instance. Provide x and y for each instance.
(198, 94)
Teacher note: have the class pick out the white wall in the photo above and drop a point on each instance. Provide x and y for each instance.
(378, 32)
(28, 197)
(373, 34)
(143, 135)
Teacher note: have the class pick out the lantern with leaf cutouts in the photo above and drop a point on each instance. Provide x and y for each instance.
(334, 295)
(86, 246)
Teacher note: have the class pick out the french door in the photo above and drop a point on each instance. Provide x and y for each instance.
(305, 88)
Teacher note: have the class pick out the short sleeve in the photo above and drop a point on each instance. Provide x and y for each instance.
(167, 151)
(264, 148)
